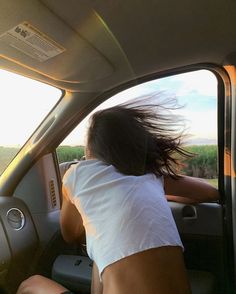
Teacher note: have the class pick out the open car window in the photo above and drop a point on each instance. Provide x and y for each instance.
(23, 105)
(196, 95)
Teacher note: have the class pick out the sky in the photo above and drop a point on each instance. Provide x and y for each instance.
(24, 103)
(196, 93)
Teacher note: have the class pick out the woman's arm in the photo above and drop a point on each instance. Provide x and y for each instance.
(71, 222)
(189, 190)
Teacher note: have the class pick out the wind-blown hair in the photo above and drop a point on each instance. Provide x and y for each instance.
(137, 139)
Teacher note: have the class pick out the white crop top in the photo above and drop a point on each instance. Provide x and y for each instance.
(122, 215)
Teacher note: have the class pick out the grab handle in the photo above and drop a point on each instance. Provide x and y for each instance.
(189, 212)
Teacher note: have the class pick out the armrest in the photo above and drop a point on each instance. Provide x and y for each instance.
(73, 271)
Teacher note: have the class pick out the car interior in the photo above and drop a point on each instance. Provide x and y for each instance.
(91, 51)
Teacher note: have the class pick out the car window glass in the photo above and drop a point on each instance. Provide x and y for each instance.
(23, 105)
(196, 94)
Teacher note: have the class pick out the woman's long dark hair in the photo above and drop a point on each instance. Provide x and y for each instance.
(137, 139)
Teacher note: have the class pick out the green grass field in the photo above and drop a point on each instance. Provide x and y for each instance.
(213, 182)
(203, 166)
(6, 156)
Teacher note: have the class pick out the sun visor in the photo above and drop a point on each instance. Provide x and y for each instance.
(48, 46)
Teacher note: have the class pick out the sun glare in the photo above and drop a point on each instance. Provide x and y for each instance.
(23, 104)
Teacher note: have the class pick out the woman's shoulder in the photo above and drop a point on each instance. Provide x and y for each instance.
(88, 173)
(84, 166)
(92, 173)
(150, 181)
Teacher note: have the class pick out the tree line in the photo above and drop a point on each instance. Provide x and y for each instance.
(202, 164)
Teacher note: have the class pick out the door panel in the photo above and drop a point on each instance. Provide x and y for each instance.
(39, 189)
(203, 219)
(201, 230)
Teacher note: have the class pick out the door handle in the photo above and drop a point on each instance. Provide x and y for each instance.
(189, 212)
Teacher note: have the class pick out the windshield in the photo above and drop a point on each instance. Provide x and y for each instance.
(23, 105)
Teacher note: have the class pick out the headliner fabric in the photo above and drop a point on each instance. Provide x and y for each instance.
(110, 44)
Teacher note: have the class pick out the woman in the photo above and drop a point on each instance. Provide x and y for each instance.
(117, 195)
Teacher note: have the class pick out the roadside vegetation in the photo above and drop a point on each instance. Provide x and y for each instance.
(69, 153)
(6, 156)
(202, 165)
(204, 162)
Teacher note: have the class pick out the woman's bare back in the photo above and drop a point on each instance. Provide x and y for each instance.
(160, 270)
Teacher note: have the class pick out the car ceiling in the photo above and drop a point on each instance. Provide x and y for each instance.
(107, 43)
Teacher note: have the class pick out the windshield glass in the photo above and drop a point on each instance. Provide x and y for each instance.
(23, 105)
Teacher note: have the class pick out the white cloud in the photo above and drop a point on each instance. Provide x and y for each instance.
(201, 124)
(203, 82)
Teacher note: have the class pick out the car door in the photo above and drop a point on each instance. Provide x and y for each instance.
(201, 225)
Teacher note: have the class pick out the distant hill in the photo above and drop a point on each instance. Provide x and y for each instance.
(201, 141)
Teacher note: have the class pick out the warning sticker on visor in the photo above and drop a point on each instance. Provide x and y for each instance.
(25, 38)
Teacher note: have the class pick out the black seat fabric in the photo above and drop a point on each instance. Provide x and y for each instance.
(202, 282)
(64, 166)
